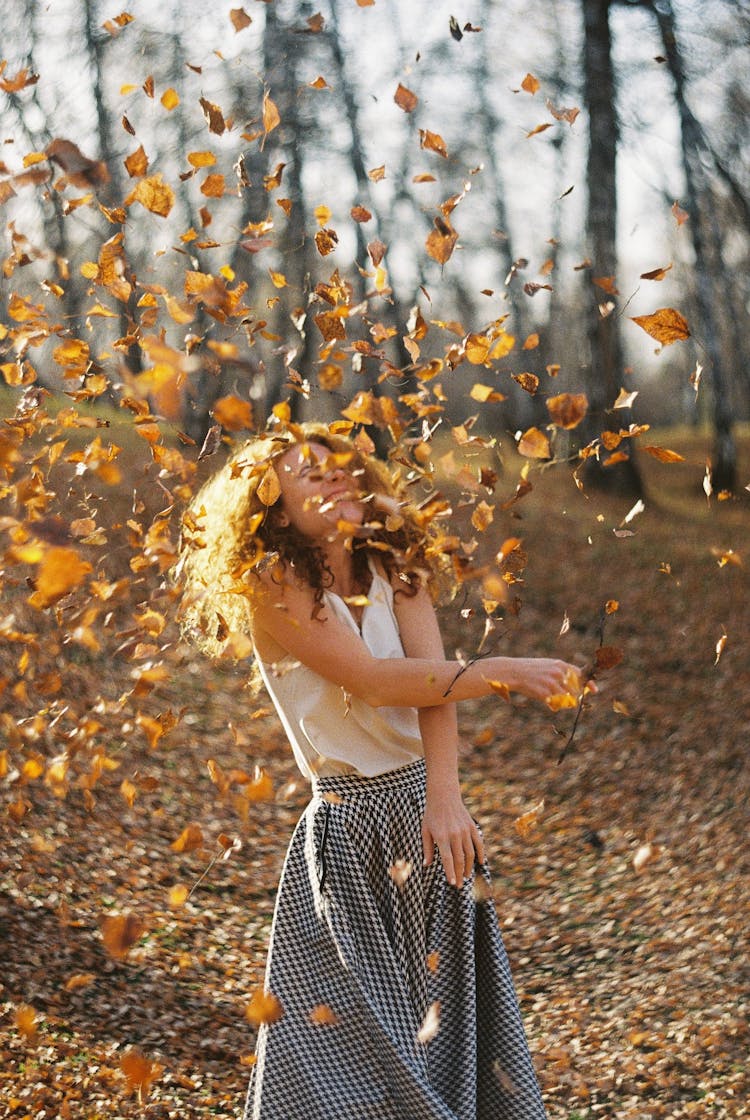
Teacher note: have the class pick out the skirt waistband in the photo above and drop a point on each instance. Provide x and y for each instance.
(355, 785)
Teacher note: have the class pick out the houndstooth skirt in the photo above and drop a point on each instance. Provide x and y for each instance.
(397, 998)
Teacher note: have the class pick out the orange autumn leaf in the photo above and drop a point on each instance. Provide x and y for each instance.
(79, 169)
(433, 142)
(177, 897)
(567, 410)
(539, 128)
(61, 570)
(360, 214)
(531, 342)
(269, 488)
(120, 933)
(377, 174)
(214, 116)
(189, 839)
(560, 701)
(234, 414)
(201, 159)
(405, 99)
(477, 349)
(79, 980)
(534, 444)
(140, 1072)
(680, 215)
(656, 273)
(260, 788)
(264, 1007)
(530, 84)
(25, 1020)
(606, 657)
(136, 164)
(213, 186)
(483, 393)
(665, 325)
(21, 80)
(482, 516)
(500, 689)
(663, 454)
(529, 382)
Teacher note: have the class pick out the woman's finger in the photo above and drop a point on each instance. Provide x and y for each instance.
(476, 835)
(449, 864)
(428, 847)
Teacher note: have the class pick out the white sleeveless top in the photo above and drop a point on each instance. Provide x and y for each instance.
(330, 731)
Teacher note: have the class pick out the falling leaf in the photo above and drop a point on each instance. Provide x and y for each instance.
(323, 1016)
(79, 980)
(482, 516)
(140, 1072)
(120, 933)
(441, 241)
(665, 325)
(234, 414)
(607, 657)
(531, 342)
(527, 822)
(561, 701)
(433, 142)
(189, 839)
(81, 171)
(625, 399)
(20, 81)
(663, 454)
(656, 273)
(680, 215)
(360, 214)
(60, 571)
(534, 444)
(271, 117)
(606, 283)
(529, 382)
(399, 871)
(153, 194)
(264, 1007)
(178, 896)
(530, 84)
(539, 128)
(240, 19)
(643, 855)
(170, 99)
(568, 115)
(326, 241)
(214, 116)
(430, 1024)
(405, 99)
(500, 689)
(567, 410)
(377, 173)
(136, 164)
(720, 646)
(25, 1019)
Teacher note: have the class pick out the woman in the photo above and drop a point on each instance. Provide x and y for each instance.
(390, 984)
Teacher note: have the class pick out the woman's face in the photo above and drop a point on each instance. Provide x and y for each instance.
(317, 492)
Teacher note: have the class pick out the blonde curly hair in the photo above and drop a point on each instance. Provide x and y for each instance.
(231, 532)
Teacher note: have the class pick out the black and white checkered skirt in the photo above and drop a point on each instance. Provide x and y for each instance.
(397, 998)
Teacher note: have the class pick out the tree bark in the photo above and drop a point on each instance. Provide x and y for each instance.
(606, 364)
(724, 466)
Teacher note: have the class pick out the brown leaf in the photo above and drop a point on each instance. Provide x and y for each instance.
(81, 171)
(530, 84)
(567, 410)
(539, 128)
(529, 382)
(656, 273)
(240, 19)
(441, 241)
(568, 115)
(606, 657)
(26, 1021)
(377, 173)
(214, 116)
(326, 241)
(360, 214)
(405, 99)
(665, 325)
(21, 80)
(140, 1072)
(213, 186)
(376, 250)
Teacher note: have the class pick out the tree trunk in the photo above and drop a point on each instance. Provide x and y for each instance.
(724, 466)
(605, 371)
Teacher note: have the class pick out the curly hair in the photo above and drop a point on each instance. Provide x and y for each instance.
(232, 531)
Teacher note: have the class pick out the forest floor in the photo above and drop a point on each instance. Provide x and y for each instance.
(623, 901)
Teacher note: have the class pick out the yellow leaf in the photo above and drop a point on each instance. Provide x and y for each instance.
(567, 409)
(525, 824)
(665, 325)
(663, 454)
(26, 1021)
(60, 571)
(153, 194)
(120, 933)
(269, 488)
(177, 896)
(170, 99)
(530, 84)
(322, 1015)
(561, 701)
(201, 159)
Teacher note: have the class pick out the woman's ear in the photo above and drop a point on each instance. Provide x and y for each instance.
(282, 519)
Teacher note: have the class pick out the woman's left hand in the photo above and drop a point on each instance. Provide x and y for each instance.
(448, 826)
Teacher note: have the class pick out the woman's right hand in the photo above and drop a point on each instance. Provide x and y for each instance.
(542, 678)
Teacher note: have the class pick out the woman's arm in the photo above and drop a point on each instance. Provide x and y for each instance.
(316, 637)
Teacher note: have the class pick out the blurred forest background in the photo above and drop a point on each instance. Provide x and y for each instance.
(507, 246)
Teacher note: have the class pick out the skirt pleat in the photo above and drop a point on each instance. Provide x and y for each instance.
(396, 996)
